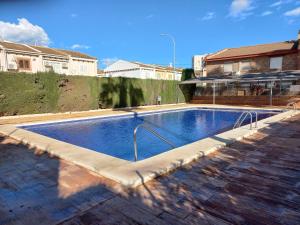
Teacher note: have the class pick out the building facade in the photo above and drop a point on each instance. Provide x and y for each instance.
(122, 68)
(33, 59)
(282, 56)
(198, 64)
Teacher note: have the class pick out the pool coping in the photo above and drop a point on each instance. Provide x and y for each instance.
(132, 174)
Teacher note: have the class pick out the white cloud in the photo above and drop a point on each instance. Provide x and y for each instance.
(79, 46)
(23, 32)
(108, 61)
(150, 16)
(74, 15)
(241, 8)
(275, 4)
(266, 13)
(209, 16)
(294, 12)
(281, 2)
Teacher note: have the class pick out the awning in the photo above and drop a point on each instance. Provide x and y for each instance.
(247, 78)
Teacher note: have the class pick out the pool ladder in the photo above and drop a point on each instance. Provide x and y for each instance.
(244, 116)
(292, 104)
(146, 127)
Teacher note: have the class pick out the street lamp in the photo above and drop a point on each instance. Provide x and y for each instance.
(174, 59)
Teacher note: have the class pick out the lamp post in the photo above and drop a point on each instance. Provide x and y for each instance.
(174, 60)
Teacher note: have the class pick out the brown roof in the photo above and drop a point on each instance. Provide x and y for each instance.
(256, 50)
(43, 50)
(49, 51)
(99, 71)
(76, 54)
(153, 66)
(15, 46)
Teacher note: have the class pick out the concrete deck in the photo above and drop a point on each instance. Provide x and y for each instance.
(132, 174)
(253, 181)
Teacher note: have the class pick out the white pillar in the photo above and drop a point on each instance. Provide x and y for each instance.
(214, 93)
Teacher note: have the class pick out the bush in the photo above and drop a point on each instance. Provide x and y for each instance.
(22, 93)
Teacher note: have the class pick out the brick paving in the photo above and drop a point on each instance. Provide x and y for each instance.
(254, 181)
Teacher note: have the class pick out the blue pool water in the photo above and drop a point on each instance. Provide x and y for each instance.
(114, 135)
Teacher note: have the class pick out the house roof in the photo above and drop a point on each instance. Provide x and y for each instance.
(254, 51)
(49, 51)
(76, 54)
(15, 46)
(99, 71)
(43, 50)
(153, 66)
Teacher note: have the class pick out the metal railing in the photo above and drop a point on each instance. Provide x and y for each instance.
(244, 116)
(292, 104)
(256, 117)
(146, 127)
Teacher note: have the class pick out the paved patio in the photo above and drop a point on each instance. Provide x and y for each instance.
(255, 181)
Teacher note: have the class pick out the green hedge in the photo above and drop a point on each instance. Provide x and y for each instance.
(22, 93)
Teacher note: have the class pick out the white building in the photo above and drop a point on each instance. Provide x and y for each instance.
(32, 59)
(199, 65)
(122, 68)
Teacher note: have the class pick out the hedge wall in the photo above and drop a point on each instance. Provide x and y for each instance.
(22, 93)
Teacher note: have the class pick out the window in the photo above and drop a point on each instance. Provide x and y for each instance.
(276, 63)
(24, 64)
(245, 66)
(83, 69)
(228, 67)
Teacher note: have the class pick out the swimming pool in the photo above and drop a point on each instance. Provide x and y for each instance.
(114, 135)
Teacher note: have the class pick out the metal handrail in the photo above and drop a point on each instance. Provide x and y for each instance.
(237, 122)
(242, 118)
(256, 117)
(292, 104)
(151, 131)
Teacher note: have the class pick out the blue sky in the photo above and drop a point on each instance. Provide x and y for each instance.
(119, 29)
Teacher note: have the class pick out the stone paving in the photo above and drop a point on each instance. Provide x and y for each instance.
(254, 181)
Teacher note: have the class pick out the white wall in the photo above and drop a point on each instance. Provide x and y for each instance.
(123, 68)
(198, 62)
(58, 66)
(83, 67)
(131, 74)
(139, 73)
(148, 74)
(13, 57)
(71, 66)
(42, 63)
(2, 60)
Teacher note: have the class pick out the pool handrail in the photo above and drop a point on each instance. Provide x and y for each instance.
(292, 104)
(146, 127)
(242, 118)
(256, 117)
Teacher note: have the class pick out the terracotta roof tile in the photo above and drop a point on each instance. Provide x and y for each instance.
(43, 50)
(158, 67)
(49, 51)
(15, 46)
(273, 48)
(76, 54)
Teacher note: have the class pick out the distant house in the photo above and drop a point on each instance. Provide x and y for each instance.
(100, 72)
(281, 56)
(32, 59)
(122, 68)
